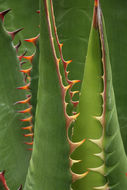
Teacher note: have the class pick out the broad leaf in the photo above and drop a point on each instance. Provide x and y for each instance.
(102, 153)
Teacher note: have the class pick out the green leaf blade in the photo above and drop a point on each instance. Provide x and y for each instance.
(103, 152)
(49, 165)
(14, 156)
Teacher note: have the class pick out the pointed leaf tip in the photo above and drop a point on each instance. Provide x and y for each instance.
(96, 3)
(95, 15)
(3, 13)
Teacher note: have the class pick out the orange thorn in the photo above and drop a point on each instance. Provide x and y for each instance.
(27, 71)
(28, 110)
(61, 45)
(33, 40)
(28, 135)
(72, 82)
(68, 61)
(58, 60)
(12, 34)
(29, 143)
(65, 63)
(67, 87)
(27, 128)
(30, 58)
(24, 101)
(3, 13)
(26, 87)
(28, 119)
(74, 117)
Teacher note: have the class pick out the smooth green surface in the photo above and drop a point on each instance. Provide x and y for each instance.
(116, 19)
(14, 156)
(49, 165)
(115, 157)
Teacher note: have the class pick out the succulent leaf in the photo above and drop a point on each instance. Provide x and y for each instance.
(103, 152)
(50, 134)
(14, 156)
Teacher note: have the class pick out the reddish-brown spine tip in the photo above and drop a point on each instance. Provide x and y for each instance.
(38, 11)
(75, 103)
(95, 17)
(32, 40)
(21, 56)
(12, 34)
(3, 13)
(96, 3)
(17, 46)
(2, 179)
(20, 188)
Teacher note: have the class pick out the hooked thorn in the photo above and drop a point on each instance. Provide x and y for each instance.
(3, 13)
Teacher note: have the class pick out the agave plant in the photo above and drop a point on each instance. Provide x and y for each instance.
(59, 128)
